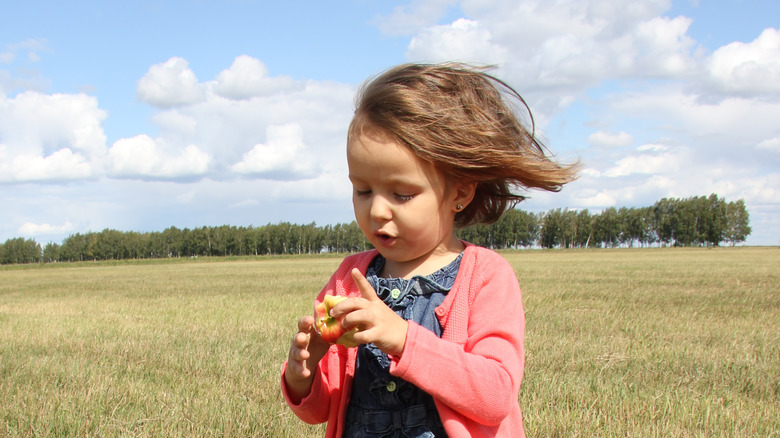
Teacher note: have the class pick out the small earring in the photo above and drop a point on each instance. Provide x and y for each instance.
(459, 207)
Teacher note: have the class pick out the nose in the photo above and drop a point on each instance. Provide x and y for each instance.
(380, 209)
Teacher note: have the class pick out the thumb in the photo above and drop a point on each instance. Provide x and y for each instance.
(366, 291)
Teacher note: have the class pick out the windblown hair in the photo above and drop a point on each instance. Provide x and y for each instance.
(460, 119)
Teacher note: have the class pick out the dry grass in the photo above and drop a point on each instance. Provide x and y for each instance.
(654, 342)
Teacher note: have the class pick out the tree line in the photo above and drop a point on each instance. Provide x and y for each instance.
(695, 221)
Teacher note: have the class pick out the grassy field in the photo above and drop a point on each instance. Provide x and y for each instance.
(628, 343)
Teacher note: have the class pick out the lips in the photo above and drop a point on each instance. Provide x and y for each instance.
(384, 238)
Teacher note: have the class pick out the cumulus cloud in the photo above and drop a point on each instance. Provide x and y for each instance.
(50, 137)
(654, 160)
(43, 123)
(663, 47)
(564, 44)
(464, 40)
(146, 158)
(642, 79)
(248, 77)
(552, 51)
(170, 84)
(60, 165)
(283, 156)
(718, 128)
(245, 123)
(748, 69)
(236, 124)
(662, 115)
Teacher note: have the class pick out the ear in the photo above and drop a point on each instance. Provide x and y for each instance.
(464, 194)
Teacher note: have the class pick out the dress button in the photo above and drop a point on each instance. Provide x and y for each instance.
(395, 293)
(439, 311)
(391, 387)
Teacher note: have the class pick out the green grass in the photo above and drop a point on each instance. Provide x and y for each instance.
(629, 343)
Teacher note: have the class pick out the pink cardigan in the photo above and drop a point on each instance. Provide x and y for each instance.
(473, 372)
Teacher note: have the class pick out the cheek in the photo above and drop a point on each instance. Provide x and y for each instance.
(356, 207)
(361, 209)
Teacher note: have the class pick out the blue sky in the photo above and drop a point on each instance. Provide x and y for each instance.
(144, 115)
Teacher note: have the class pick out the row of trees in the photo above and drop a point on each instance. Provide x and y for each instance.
(696, 221)
(225, 240)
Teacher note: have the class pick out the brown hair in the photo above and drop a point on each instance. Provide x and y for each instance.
(457, 117)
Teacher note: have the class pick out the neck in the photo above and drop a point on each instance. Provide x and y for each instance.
(426, 265)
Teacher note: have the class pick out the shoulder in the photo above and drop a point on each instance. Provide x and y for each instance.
(483, 260)
(359, 260)
(341, 282)
(486, 270)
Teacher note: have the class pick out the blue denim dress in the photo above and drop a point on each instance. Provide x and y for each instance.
(382, 405)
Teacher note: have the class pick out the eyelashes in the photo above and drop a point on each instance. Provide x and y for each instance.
(399, 196)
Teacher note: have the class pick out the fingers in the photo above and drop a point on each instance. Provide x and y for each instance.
(367, 296)
(306, 324)
(366, 291)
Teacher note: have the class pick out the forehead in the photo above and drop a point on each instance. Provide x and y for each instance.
(374, 157)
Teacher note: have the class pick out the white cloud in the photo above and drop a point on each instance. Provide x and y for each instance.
(663, 48)
(43, 123)
(236, 129)
(609, 140)
(598, 200)
(283, 156)
(236, 132)
(695, 117)
(661, 114)
(62, 164)
(748, 69)
(649, 164)
(146, 158)
(721, 127)
(170, 84)
(770, 144)
(464, 40)
(35, 230)
(564, 44)
(248, 77)
(552, 51)
(50, 137)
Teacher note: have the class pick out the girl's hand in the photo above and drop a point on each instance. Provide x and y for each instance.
(378, 323)
(306, 350)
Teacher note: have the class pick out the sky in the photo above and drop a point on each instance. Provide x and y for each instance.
(139, 116)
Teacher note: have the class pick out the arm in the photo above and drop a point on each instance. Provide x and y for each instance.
(306, 350)
(305, 372)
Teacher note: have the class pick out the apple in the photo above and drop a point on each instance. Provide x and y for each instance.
(330, 328)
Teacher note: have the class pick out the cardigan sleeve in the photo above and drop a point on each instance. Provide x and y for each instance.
(311, 408)
(479, 378)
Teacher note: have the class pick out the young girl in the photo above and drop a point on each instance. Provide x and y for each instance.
(440, 321)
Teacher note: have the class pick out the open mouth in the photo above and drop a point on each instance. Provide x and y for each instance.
(385, 238)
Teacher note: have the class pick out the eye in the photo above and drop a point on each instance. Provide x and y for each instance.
(404, 197)
(362, 192)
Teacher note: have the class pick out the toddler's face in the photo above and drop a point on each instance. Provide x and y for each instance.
(403, 206)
